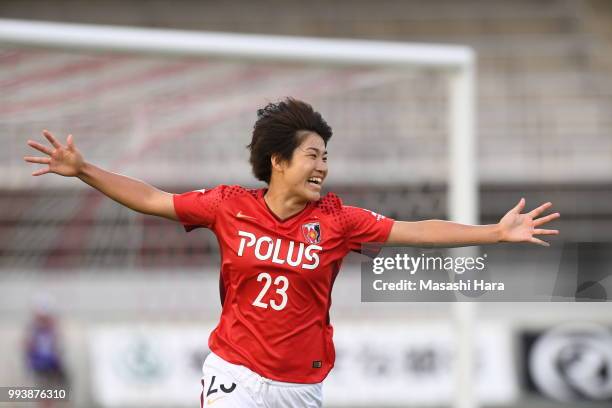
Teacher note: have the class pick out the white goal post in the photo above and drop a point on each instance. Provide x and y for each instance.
(457, 61)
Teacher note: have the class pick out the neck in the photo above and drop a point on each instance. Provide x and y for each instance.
(282, 203)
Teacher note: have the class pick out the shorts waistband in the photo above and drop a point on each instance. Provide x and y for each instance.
(240, 371)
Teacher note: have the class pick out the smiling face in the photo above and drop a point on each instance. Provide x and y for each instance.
(304, 175)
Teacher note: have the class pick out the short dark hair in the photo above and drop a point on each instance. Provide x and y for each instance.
(277, 132)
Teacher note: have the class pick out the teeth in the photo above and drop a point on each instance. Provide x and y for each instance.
(316, 180)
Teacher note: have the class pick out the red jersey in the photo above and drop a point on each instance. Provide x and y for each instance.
(277, 276)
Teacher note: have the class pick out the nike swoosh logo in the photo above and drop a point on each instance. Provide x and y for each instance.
(241, 215)
(209, 401)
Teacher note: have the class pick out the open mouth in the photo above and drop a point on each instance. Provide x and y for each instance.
(317, 181)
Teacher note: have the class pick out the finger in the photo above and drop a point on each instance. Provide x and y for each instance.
(539, 242)
(546, 232)
(519, 207)
(52, 139)
(41, 160)
(535, 212)
(41, 148)
(41, 172)
(70, 142)
(544, 220)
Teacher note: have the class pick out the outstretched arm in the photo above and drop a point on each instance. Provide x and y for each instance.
(513, 227)
(68, 161)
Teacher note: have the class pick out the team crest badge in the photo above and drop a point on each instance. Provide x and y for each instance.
(312, 232)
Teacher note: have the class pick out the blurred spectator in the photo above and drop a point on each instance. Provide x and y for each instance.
(43, 350)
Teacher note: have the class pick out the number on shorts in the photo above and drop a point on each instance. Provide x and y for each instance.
(280, 280)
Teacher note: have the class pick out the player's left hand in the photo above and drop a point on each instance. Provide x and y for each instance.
(517, 227)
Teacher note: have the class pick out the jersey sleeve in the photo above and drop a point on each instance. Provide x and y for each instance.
(198, 208)
(365, 226)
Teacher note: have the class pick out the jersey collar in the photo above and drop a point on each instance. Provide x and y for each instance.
(287, 221)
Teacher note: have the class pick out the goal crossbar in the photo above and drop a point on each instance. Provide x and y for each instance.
(231, 45)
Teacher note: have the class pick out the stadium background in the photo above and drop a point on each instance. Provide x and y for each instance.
(544, 132)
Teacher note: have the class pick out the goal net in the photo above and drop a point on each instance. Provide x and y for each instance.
(176, 109)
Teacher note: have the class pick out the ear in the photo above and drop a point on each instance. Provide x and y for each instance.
(278, 164)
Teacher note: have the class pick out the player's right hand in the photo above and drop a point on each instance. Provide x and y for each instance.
(63, 160)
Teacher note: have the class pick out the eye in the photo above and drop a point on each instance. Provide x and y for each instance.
(325, 159)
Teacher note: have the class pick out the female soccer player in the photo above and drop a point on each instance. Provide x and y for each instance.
(281, 249)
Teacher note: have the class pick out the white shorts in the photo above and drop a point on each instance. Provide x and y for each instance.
(227, 385)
